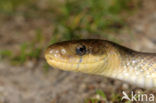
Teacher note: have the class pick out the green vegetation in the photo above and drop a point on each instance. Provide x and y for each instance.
(102, 98)
(85, 18)
(5, 54)
(28, 51)
(72, 19)
(10, 6)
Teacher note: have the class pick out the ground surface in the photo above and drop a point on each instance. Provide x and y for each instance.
(29, 83)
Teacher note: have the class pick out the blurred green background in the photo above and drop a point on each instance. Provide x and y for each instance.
(70, 19)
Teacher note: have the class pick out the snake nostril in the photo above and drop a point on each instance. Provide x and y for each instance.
(50, 58)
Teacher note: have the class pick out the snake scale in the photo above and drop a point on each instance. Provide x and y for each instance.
(102, 57)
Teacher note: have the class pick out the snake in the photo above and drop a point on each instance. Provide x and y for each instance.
(105, 58)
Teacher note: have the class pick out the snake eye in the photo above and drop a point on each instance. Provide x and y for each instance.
(81, 50)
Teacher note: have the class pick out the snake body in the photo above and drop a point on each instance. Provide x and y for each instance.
(102, 57)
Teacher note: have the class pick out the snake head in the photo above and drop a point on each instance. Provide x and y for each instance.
(78, 55)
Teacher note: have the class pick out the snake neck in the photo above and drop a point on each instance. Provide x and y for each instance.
(131, 66)
(117, 57)
(135, 67)
(112, 62)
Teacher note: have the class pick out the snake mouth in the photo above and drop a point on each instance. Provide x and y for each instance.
(77, 66)
(79, 60)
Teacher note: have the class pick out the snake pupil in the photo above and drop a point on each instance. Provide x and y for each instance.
(81, 50)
